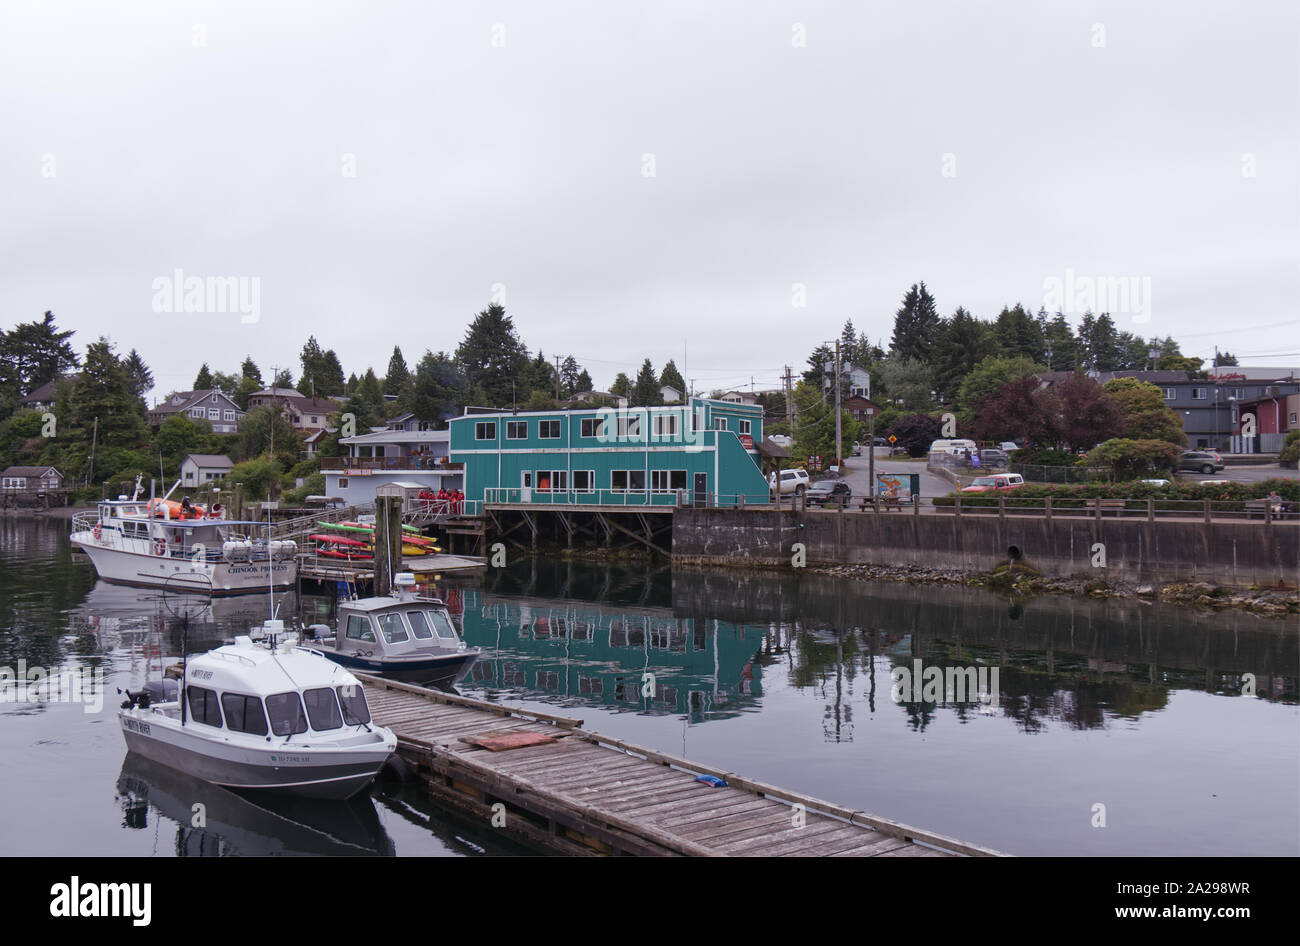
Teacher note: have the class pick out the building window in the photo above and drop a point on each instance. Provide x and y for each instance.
(662, 481)
(548, 429)
(1198, 394)
(719, 423)
(1171, 394)
(197, 412)
(743, 425)
(1292, 417)
(697, 420)
(230, 415)
(516, 430)
(584, 481)
(343, 482)
(622, 481)
(665, 425)
(1233, 415)
(214, 413)
(1239, 393)
(629, 426)
(552, 481)
(485, 430)
(315, 420)
(592, 426)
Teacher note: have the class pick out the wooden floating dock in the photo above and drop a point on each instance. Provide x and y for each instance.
(583, 793)
(318, 569)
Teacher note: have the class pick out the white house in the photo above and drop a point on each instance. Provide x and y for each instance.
(199, 468)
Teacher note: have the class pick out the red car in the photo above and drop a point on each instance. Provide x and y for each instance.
(997, 483)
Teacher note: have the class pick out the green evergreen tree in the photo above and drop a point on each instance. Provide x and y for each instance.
(250, 370)
(398, 378)
(138, 371)
(493, 360)
(105, 390)
(33, 353)
(962, 342)
(569, 377)
(584, 382)
(203, 380)
(438, 389)
(916, 324)
(672, 377)
(622, 386)
(645, 393)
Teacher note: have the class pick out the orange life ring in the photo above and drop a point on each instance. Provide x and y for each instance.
(99, 528)
(160, 547)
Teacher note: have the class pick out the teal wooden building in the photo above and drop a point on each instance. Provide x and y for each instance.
(705, 452)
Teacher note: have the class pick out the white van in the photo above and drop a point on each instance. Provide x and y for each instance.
(952, 447)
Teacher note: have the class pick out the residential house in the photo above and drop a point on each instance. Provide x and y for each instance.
(43, 397)
(308, 414)
(211, 405)
(406, 457)
(199, 468)
(30, 479)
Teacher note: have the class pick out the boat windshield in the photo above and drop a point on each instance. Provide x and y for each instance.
(419, 625)
(322, 709)
(442, 624)
(287, 716)
(392, 627)
(353, 700)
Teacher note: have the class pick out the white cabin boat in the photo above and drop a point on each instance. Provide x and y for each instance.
(267, 716)
(147, 543)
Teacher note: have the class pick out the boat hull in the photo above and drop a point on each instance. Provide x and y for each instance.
(126, 567)
(313, 771)
(442, 669)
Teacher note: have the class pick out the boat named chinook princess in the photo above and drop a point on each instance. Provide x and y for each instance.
(163, 543)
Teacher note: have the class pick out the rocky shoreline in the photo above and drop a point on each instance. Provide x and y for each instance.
(1020, 581)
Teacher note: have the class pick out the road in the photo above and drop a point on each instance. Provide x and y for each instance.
(932, 485)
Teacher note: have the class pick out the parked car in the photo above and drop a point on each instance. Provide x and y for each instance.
(953, 447)
(857, 449)
(881, 442)
(1200, 461)
(993, 457)
(792, 481)
(829, 492)
(998, 482)
(1008, 446)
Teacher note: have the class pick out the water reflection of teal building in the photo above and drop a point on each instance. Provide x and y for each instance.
(590, 653)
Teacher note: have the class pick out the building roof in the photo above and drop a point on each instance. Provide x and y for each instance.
(28, 471)
(210, 459)
(42, 394)
(399, 436)
(184, 400)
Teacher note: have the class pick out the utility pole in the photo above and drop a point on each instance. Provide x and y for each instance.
(557, 378)
(839, 451)
(789, 403)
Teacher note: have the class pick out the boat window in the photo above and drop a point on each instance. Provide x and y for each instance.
(359, 628)
(419, 626)
(353, 699)
(244, 713)
(322, 709)
(285, 710)
(203, 706)
(391, 625)
(442, 624)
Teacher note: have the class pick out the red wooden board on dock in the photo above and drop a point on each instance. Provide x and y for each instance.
(501, 741)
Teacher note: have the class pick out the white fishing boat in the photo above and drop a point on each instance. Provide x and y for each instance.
(403, 636)
(261, 714)
(162, 543)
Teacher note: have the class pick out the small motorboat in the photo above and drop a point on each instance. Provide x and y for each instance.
(403, 636)
(261, 713)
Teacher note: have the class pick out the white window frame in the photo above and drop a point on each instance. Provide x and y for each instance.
(479, 425)
(556, 476)
(719, 423)
(516, 423)
(662, 421)
(743, 426)
(1171, 394)
(591, 481)
(1199, 394)
(544, 425)
(665, 480)
(591, 427)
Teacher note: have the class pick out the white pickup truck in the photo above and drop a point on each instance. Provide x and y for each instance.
(792, 481)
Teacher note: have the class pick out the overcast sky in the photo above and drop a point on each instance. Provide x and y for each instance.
(380, 167)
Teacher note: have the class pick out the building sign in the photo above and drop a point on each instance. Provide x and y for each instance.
(898, 486)
(747, 441)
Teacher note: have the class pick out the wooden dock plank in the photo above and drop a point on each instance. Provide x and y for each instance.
(619, 796)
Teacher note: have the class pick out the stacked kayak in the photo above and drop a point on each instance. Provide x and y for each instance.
(354, 540)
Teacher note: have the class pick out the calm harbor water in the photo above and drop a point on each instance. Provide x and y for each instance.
(1132, 706)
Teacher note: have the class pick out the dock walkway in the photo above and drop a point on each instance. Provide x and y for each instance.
(584, 793)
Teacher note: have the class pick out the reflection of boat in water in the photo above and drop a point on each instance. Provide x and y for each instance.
(234, 824)
(271, 716)
(403, 636)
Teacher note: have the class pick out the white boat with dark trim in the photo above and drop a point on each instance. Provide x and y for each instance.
(403, 636)
(174, 545)
(265, 715)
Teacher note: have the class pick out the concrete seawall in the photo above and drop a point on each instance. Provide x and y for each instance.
(1227, 553)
